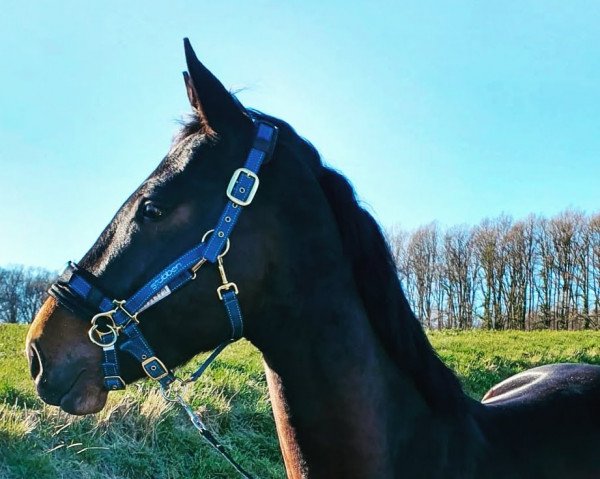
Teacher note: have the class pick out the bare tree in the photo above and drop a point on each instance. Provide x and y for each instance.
(545, 283)
(22, 292)
(12, 284)
(594, 239)
(422, 255)
(460, 276)
(397, 239)
(489, 245)
(565, 235)
(35, 292)
(519, 271)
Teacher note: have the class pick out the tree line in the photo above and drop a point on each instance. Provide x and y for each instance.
(503, 274)
(500, 274)
(22, 292)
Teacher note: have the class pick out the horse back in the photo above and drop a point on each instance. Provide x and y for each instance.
(546, 420)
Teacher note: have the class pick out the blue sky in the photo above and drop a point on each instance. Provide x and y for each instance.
(448, 111)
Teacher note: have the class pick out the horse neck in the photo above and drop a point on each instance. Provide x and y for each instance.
(342, 349)
(342, 407)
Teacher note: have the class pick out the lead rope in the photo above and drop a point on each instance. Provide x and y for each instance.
(172, 393)
(196, 420)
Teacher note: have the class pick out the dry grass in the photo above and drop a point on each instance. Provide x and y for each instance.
(138, 435)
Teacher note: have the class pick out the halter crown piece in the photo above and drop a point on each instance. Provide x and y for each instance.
(115, 323)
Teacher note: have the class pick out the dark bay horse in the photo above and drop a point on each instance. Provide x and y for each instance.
(356, 389)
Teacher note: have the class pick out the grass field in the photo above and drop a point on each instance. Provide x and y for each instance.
(138, 436)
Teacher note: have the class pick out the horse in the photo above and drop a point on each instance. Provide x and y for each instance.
(357, 391)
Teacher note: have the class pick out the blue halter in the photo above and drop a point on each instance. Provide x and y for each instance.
(114, 325)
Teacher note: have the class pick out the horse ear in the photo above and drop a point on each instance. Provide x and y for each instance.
(211, 102)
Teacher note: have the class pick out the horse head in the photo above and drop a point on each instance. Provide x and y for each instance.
(165, 216)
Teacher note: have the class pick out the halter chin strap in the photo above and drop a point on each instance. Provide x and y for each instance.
(115, 323)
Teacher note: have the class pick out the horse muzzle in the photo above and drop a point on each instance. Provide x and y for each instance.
(63, 364)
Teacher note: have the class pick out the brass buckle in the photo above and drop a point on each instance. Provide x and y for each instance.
(162, 365)
(232, 182)
(226, 287)
(132, 317)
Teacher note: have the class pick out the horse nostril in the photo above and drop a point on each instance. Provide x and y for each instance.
(35, 361)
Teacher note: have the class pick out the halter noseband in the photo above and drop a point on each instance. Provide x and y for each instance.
(115, 323)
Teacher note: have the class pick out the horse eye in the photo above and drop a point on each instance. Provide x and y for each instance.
(151, 211)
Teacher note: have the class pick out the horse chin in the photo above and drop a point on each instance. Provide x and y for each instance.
(84, 399)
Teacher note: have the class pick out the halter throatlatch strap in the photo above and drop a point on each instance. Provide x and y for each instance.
(115, 323)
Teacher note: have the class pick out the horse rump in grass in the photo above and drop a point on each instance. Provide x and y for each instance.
(356, 389)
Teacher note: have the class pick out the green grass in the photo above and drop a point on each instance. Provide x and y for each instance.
(138, 436)
(484, 358)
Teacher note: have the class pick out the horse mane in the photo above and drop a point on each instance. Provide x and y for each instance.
(389, 312)
(364, 244)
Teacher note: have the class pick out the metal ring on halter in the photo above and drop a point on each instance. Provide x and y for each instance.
(227, 244)
(112, 329)
(105, 314)
(194, 269)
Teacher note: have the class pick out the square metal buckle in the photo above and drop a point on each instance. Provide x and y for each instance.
(233, 181)
(227, 287)
(160, 364)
